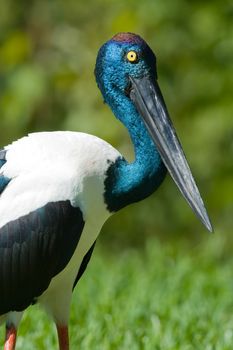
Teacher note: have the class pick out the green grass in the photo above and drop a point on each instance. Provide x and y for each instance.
(165, 295)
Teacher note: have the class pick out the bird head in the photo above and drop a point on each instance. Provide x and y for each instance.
(125, 55)
(126, 75)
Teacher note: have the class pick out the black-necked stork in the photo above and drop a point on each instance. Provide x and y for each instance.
(58, 188)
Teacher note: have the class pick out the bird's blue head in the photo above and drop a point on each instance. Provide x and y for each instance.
(126, 75)
(125, 55)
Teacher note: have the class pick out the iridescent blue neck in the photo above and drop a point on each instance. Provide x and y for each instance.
(131, 182)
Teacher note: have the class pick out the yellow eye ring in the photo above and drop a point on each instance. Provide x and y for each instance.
(132, 56)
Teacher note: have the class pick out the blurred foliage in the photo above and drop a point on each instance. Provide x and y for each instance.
(47, 58)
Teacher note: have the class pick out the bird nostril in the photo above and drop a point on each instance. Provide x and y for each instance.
(128, 89)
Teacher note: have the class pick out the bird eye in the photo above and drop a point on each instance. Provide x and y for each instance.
(132, 56)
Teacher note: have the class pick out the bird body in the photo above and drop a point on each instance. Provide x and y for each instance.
(58, 188)
(56, 167)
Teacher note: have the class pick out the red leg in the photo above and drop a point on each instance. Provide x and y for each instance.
(11, 333)
(63, 337)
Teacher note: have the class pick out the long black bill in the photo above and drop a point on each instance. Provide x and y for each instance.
(148, 99)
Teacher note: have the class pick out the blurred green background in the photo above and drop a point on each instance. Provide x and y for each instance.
(47, 58)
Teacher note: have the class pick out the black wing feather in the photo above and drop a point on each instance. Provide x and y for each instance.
(3, 179)
(2, 157)
(35, 248)
(84, 264)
